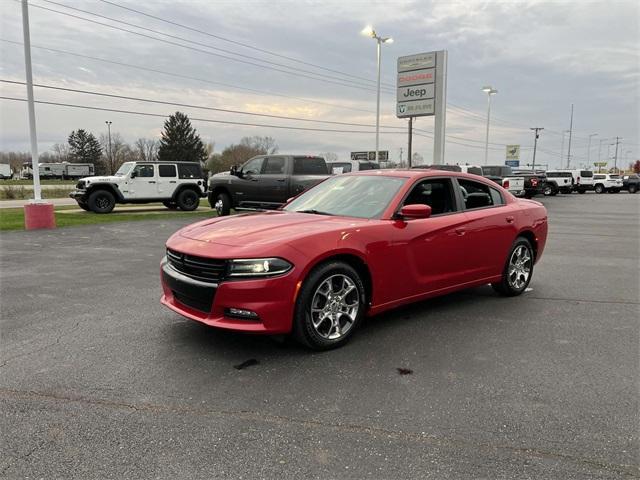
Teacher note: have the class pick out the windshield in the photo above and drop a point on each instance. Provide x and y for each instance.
(365, 196)
(124, 169)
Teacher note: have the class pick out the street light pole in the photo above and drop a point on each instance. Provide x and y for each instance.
(370, 32)
(589, 147)
(535, 144)
(109, 135)
(489, 90)
(570, 135)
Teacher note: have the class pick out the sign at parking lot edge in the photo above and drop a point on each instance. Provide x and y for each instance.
(415, 108)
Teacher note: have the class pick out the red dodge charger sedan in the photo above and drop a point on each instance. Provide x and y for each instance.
(351, 246)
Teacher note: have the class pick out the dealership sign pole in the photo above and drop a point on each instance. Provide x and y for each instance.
(422, 80)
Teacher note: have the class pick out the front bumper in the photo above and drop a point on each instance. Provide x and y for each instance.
(273, 300)
(78, 194)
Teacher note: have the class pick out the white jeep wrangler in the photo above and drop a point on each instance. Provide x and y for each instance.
(175, 184)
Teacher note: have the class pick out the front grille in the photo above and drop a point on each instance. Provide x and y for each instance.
(198, 268)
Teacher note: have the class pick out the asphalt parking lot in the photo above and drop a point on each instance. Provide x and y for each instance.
(98, 380)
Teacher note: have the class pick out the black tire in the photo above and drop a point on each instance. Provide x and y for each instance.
(599, 188)
(101, 201)
(222, 204)
(83, 206)
(170, 205)
(633, 189)
(334, 273)
(547, 191)
(188, 200)
(510, 286)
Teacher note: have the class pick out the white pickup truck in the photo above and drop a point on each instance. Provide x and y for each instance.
(515, 185)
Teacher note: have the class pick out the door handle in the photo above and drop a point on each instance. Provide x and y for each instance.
(172, 181)
(510, 219)
(254, 179)
(460, 231)
(152, 181)
(280, 179)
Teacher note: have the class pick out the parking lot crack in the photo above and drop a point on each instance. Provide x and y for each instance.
(250, 415)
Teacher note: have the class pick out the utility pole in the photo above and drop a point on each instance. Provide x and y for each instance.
(615, 161)
(570, 134)
(535, 144)
(410, 138)
(589, 147)
(110, 159)
(562, 147)
(400, 157)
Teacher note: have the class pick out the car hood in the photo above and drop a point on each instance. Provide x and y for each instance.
(264, 228)
(107, 178)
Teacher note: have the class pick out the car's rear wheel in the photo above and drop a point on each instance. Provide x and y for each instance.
(330, 306)
(188, 200)
(222, 204)
(548, 190)
(633, 189)
(518, 269)
(170, 205)
(101, 201)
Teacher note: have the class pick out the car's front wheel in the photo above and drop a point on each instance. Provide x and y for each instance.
(188, 200)
(518, 269)
(599, 188)
(222, 204)
(101, 201)
(330, 305)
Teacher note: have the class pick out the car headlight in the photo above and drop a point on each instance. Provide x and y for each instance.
(258, 267)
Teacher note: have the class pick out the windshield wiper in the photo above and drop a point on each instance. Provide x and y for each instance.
(315, 212)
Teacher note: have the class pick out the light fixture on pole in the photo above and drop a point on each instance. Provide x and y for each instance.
(109, 152)
(489, 90)
(370, 32)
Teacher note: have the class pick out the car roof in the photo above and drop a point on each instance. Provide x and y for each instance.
(413, 173)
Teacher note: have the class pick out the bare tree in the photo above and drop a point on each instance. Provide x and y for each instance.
(61, 152)
(261, 145)
(146, 149)
(120, 152)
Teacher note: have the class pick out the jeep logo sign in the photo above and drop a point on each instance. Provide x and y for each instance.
(417, 92)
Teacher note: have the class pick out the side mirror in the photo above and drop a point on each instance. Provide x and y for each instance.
(419, 210)
(234, 170)
(134, 174)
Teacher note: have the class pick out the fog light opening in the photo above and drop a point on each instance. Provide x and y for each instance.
(241, 313)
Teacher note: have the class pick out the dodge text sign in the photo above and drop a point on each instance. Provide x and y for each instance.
(416, 77)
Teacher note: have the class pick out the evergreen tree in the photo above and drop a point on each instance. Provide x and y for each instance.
(84, 147)
(180, 142)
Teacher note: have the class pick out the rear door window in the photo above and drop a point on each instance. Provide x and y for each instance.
(309, 166)
(586, 173)
(167, 171)
(273, 166)
(478, 195)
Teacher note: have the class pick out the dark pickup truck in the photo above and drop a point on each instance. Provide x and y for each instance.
(534, 183)
(631, 183)
(265, 182)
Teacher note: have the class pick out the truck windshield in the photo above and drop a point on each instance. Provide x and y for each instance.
(365, 196)
(124, 169)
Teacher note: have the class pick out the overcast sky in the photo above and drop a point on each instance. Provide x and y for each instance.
(540, 56)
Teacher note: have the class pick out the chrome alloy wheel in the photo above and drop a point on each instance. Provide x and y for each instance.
(520, 265)
(335, 306)
(218, 206)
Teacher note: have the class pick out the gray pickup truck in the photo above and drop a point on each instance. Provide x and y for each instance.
(265, 182)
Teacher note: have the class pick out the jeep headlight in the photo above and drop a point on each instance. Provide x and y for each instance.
(258, 267)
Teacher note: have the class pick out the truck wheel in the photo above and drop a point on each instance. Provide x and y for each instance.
(517, 270)
(548, 191)
(633, 189)
(599, 188)
(222, 204)
(188, 200)
(170, 205)
(329, 307)
(101, 201)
